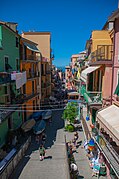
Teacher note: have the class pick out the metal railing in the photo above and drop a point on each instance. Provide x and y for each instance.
(11, 165)
(103, 53)
(94, 96)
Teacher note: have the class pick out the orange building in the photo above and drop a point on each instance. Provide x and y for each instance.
(30, 63)
(43, 39)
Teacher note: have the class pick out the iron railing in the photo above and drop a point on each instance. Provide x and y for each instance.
(95, 97)
(103, 53)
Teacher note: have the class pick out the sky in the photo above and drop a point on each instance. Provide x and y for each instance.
(69, 21)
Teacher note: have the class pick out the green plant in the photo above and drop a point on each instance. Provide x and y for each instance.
(69, 128)
(70, 112)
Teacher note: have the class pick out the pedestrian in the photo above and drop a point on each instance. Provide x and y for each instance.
(74, 171)
(70, 149)
(76, 136)
(42, 152)
(43, 138)
(38, 138)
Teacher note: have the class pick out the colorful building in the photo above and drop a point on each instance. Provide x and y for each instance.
(43, 39)
(101, 77)
(10, 118)
(30, 63)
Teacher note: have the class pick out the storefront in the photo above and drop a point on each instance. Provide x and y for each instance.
(108, 121)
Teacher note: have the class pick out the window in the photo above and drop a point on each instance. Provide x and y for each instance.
(17, 64)
(10, 123)
(17, 42)
(6, 63)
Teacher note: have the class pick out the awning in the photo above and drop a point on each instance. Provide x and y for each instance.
(31, 47)
(87, 98)
(27, 126)
(108, 119)
(88, 70)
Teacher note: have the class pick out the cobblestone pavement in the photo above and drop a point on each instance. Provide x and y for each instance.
(55, 165)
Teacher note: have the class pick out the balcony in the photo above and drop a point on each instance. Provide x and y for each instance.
(32, 75)
(91, 97)
(32, 58)
(22, 98)
(5, 78)
(103, 55)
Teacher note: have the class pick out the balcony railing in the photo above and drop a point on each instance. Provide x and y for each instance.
(91, 97)
(21, 98)
(103, 53)
(31, 57)
(32, 74)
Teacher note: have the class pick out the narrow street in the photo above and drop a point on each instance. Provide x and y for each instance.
(55, 164)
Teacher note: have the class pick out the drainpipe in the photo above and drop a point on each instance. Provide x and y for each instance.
(113, 65)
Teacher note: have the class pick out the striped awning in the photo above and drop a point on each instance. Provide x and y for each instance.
(88, 70)
(108, 119)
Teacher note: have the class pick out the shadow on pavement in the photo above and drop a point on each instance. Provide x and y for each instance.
(52, 128)
(51, 132)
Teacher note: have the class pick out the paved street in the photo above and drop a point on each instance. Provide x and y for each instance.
(55, 165)
(32, 168)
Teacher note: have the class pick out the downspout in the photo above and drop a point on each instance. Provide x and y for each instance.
(113, 65)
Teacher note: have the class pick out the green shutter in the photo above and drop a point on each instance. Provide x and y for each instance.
(117, 90)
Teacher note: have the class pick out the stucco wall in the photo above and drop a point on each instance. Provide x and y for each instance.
(116, 55)
(9, 49)
(43, 41)
(106, 83)
(101, 37)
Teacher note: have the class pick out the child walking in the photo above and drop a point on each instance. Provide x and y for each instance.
(42, 152)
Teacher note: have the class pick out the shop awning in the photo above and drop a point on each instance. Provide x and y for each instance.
(31, 47)
(108, 119)
(27, 126)
(88, 70)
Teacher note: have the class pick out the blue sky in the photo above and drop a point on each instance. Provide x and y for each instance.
(69, 21)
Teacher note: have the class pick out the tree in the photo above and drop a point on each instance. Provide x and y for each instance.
(70, 112)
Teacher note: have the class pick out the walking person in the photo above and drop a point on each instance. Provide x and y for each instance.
(42, 152)
(38, 138)
(43, 138)
(76, 136)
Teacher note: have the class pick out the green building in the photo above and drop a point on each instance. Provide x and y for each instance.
(10, 120)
